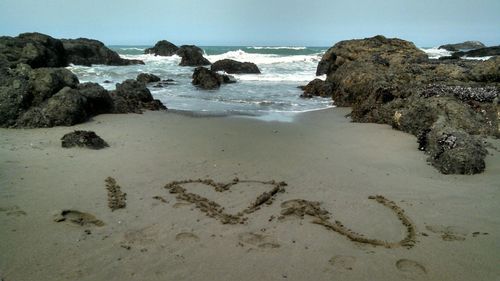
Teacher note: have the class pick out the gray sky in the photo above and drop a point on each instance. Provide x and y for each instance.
(255, 22)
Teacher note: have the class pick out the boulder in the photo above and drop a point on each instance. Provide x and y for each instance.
(34, 49)
(162, 48)
(207, 79)
(86, 139)
(192, 56)
(317, 88)
(98, 100)
(147, 78)
(486, 71)
(83, 51)
(467, 45)
(235, 67)
(132, 96)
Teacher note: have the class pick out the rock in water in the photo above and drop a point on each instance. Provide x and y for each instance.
(467, 45)
(208, 79)
(192, 56)
(147, 78)
(86, 139)
(132, 96)
(235, 67)
(83, 51)
(162, 48)
(316, 88)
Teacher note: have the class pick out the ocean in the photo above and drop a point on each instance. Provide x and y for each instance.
(272, 95)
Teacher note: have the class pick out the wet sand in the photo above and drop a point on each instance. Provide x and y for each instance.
(59, 223)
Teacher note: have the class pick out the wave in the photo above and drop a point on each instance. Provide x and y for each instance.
(277, 48)
(436, 53)
(133, 48)
(243, 56)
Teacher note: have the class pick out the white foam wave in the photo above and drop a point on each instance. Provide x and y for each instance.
(476, 58)
(133, 48)
(277, 48)
(152, 58)
(297, 77)
(243, 56)
(436, 53)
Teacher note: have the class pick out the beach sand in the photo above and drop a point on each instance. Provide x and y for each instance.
(321, 156)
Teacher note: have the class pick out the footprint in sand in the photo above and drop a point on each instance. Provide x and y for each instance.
(187, 237)
(448, 233)
(259, 240)
(77, 217)
(342, 263)
(411, 268)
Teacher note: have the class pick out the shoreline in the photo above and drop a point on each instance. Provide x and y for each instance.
(322, 156)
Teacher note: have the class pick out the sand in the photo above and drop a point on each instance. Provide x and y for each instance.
(56, 223)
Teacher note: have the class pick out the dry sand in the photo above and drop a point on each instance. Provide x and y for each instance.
(322, 157)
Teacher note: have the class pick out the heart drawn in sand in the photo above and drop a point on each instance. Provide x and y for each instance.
(214, 209)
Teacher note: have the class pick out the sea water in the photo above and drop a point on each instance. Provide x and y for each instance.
(271, 95)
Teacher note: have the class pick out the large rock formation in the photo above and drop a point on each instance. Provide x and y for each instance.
(445, 104)
(162, 48)
(83, 51)
(192, 56)
(482, 52)
(33, 49)
(208, 79)
(467, 45)
(235, 67)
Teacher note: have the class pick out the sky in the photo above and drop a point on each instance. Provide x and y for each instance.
(427, 23)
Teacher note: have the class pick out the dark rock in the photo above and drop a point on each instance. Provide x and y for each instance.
(486, 71)
(162, 48)
(206, 79)
(235, 67)
(98, 100)
(132, 96)
(147, 78)
(66, 108)
(467, 45)
(192, 56)
(483, 52)
(83, 51)
(34, 49)
(209, 80)
(46, 82)
(454, 151)
(317, 88)
(86, 139)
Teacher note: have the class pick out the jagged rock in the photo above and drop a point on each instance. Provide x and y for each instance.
(86, 139)
(162, 48)
(132, 96)
(83, 51)
(208, 79)
(192, 56)
(235, 67)
(147, 78)
(467, 45)
(317, 88)
(391, 81)
(33, 49)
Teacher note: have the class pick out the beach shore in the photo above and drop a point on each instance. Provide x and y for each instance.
(321, 156)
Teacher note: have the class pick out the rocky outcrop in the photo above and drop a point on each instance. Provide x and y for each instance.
(83, 51)
(483, 52)
(317, 88)
(467, 45)
(162, 48)
(34, 49)
(192, 56)
(132, 96)
(86, 139)
(147, 78)
(446, 104)
(235, 67)
(208, 79)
